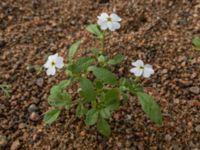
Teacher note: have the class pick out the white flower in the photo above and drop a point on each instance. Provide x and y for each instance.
(53, 62)
(109, 22)
(142, 70)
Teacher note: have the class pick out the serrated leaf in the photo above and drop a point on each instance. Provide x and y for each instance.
(55, 89)
(196, 42)
(60, 100)
(58, 97)
(65, 83)
(94, 29)
(150, 107)
(88, 89)
(80, 110)
(110, 102)
(72, 50)
(105, 113)
(103, 127)
(116, 59)
(81, 65)
(51, 115)
(112, 99)
(91, 117)
(104, 75)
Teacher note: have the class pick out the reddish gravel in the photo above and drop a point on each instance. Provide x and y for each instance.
(156, 31)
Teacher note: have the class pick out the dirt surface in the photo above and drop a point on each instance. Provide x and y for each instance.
(158, 32)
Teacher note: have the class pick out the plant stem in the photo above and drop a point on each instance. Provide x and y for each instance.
(102, 41)
(137, 79)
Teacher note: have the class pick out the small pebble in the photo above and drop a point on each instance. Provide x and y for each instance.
(40, 82)
(34, 116)
(168, 137)
(164, 71)
(195, 90)
(15, 145)
(21, 125)
(3, 141)
(197, 128)
(32, 108)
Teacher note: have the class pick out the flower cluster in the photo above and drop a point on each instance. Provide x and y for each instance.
(99, 90)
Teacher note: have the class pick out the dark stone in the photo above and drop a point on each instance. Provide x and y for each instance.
(2, 43)
(103, 1)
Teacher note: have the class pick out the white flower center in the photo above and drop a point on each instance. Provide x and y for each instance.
(109, 19)
(141, 67)
(53, 63)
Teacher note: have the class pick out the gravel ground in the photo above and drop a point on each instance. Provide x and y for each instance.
(156, 31)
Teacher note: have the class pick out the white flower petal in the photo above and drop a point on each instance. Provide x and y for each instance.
(53, 57)
(101, 21)
(136, 71)
(47, 64)
(115, 17)
(116, 25)
(146, 74)
(138, 63)
(103, 17)
(51, 71)
(59, 62)
(148, 71)
(109, 24)
(103, 26)
(113, 26)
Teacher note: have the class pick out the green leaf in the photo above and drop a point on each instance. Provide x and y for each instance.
(64, 83)
(150, 107)
(112, 98)
(94, 29)
(73, 49)
(126, 84)
(125, 97)
(58, 97)
(91, 117)
(80, 110)
(99, 84)
(95, 51)
(55, 89)
(110, 103)
(81, 65)
(101, 58)
(60, 100)
(51, 115)
(196, 42)
(88, 89)
(116, 60)
(104, 75)
(103, 127)
(105, 112)
(59, 87)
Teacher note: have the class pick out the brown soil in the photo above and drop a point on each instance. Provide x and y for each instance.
(159, 32)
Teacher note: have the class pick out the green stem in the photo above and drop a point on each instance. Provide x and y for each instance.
(137, 79)
(94, 104)
(103, 41)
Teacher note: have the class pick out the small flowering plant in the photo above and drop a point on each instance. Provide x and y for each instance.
(99, 92)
